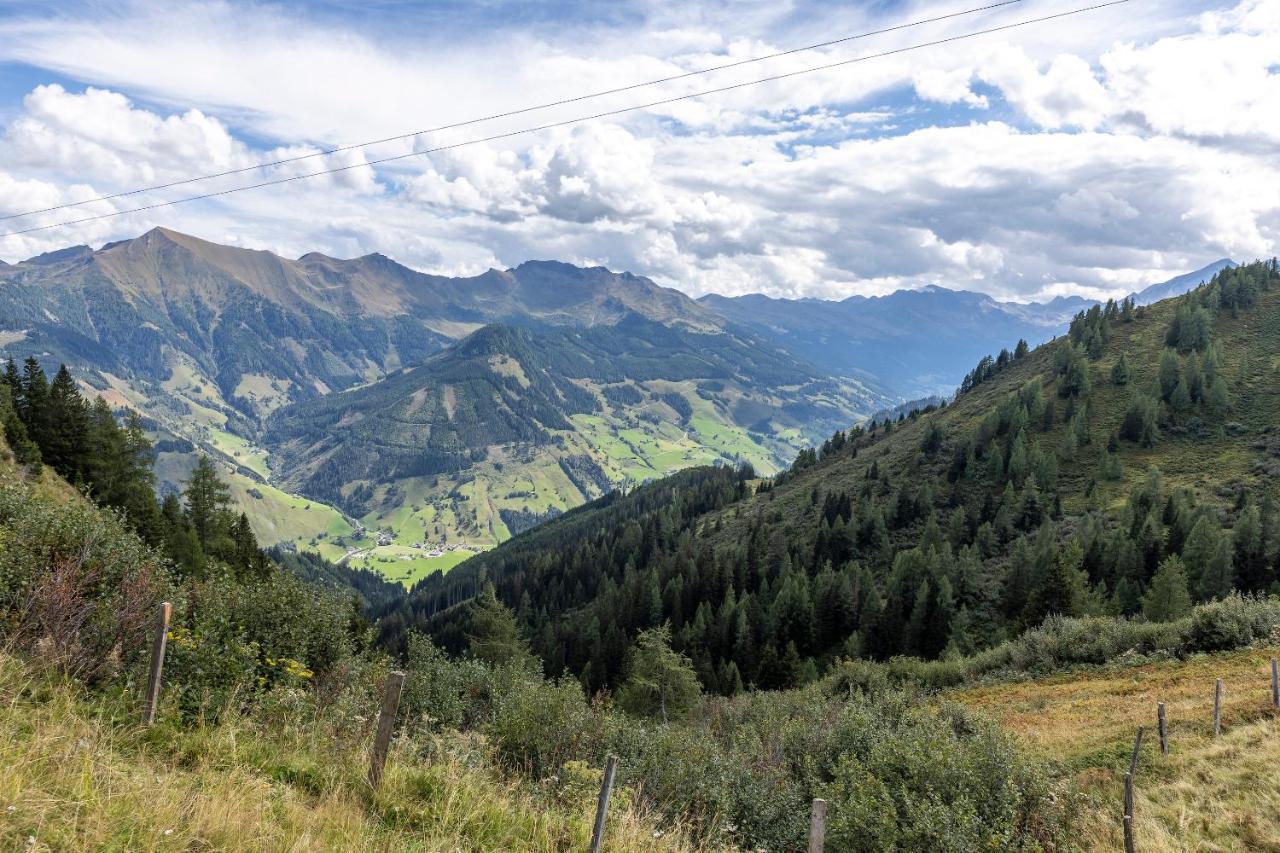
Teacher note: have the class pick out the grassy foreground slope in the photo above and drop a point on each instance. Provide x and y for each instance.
(77, 773)
(1206, 794)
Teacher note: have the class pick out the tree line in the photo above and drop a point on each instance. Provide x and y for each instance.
(52, 423)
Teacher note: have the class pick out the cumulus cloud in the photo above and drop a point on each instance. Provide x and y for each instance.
(1075, 158)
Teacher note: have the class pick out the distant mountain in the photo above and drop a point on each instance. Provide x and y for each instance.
(914, 343)
(265, 331)
(513, 423)
(210, 341)
(1181, 284)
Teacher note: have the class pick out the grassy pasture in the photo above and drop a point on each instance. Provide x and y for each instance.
(1206, 794)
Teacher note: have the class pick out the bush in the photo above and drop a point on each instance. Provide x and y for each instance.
(438, 691)
(1234, 622)
(75, 584)
(234, 639)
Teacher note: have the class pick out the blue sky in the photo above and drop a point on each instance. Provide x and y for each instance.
(1092, 155)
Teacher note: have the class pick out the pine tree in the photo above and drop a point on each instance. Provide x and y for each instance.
(661, 682)
(208, 499)
(1251, 562)
(1168, 598)
(1140, 422)
(492, 633)
(66, 443)
(25, 451)
(1207, 556)
(1120, 371)
(33, 404)
(1062, 588)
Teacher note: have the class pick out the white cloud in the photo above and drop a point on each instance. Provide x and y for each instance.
(1128, 152)
(948, 86)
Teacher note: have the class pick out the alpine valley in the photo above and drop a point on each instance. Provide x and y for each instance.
(402, 421)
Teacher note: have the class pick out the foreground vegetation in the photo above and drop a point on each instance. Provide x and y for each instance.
(1206, 794)
(77, 773)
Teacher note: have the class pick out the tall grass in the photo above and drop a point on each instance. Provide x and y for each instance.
(76, 773)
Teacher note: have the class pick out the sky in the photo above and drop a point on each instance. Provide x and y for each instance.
(1093, 154)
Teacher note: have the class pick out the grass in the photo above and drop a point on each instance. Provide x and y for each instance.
(406, 565)
(1207, 794)
(77, 774)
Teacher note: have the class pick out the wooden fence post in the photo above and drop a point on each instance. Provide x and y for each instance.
(1217, 707)
(1128, 793)
(1164, 731)
(818, 825)
(602, 807)
(386, 725)
(151, 702)
(1275, 684)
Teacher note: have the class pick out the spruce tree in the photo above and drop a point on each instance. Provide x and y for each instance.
(492, 633)
(208, 499)
(66, 443)
(661, 681)
(33, 404)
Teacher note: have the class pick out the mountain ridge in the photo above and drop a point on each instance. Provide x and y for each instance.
(916, 342)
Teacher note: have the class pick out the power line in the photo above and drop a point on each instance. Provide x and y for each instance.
(510, 113)
(577, 120)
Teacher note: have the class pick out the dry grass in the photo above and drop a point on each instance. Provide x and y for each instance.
(1207, 794)
(76, 775)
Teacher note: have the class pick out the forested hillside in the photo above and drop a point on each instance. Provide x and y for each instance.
(547, 418)
(1125, 468)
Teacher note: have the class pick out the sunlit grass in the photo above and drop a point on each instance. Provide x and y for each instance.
(1207, 794)
(76, 773)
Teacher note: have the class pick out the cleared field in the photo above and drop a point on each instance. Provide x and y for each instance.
(1206, 794)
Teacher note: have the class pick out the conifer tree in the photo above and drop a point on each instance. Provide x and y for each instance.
(492, 633)
(1168, 598)
(1207, 556)
(208, 499)
(66, 440)
(661, 682)
(1120, 371)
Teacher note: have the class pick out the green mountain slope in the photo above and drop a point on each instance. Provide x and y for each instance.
(210, 341)
(513, 425)
(1057, 482)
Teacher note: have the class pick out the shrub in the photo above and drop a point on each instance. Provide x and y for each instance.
(1233, 622)
(76, 583)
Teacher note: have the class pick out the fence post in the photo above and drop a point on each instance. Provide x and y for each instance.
(1164, 731)
(151, 702)
(386, 725)
(1128, 793)
(1217, 707)
(818, 825)
(1275, 684)
(602, 807)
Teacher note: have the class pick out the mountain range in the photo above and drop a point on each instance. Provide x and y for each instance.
(472, 407)
(402, 420)
(916, 343)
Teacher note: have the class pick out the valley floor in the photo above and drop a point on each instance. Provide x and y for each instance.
(1206, 794)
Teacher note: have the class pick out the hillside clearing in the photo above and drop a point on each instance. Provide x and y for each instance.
(1206, 794)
